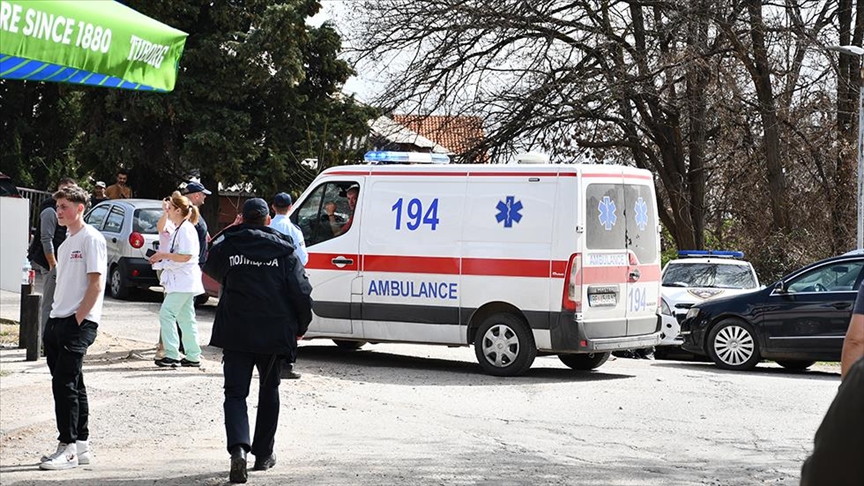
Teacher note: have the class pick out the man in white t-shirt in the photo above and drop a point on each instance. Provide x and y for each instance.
(82, 262)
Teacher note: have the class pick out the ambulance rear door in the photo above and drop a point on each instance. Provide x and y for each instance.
(605, 260)
(643, 243)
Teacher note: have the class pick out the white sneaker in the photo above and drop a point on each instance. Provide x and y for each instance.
(61, 448)
(83, 448)
(67, 459)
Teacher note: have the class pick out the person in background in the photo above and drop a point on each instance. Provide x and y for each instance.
(46, 240)
(197, 193)
(281, 206)
(81, 265)
(165, 228)
(281, 223)
(120, 190)
(264, 308)
(351, 194)
(839, 443)
(181, 278)
(98, 194)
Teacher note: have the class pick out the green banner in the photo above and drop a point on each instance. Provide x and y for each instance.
(94, 42)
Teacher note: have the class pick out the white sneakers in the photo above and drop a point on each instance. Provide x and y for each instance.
(83, 448)
(67, 456)
(61, 447)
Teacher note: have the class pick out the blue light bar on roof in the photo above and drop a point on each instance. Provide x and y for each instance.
(711, 253)
(387, 157)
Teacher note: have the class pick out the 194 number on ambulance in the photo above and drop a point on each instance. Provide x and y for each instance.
(637, 297)
(415, 215)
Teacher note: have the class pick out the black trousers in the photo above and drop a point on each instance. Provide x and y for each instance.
(66, 344)
(237, 367)
(288, 361)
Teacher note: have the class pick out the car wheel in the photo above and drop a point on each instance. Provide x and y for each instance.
(796, 365)
(348, 345)
(584, 362)
(504, 345)
(201, 299)
(732, 345)
(117, 287)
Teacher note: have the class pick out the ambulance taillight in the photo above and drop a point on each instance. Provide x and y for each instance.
(572, 298)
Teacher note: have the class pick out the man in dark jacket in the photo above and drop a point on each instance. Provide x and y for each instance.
(264, 308)
(43, 248)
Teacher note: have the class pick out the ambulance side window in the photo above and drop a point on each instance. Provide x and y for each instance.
(641, 223)
(605, 225)
(313, 216)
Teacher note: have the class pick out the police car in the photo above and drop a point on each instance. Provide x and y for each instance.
(519, 260)
(698, 275)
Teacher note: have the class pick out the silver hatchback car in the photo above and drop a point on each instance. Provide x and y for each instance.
(129, 227)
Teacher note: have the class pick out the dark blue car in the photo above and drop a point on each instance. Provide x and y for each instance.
(797, 321)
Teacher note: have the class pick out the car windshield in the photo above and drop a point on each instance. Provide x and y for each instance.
(7, 188)
(145, 220)
(709, 275)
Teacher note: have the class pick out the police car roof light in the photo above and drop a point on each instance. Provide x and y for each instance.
(711, 253)
(387, 157)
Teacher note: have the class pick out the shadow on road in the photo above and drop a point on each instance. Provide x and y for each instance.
(377, 367)
(214, 479)
(760, 370)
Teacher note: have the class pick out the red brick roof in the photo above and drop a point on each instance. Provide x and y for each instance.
(456, 133)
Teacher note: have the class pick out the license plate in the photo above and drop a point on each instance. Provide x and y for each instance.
(602, 300)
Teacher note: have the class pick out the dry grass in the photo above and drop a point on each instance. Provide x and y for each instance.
(8, 334)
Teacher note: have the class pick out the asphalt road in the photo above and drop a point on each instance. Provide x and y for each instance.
(408, 414)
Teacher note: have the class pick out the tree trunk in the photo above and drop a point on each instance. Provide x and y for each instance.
(760, 71)
(842, 190)
(698, 77)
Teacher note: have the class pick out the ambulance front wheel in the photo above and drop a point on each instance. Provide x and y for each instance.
(348, 345)
(504, 345)
(584, 362)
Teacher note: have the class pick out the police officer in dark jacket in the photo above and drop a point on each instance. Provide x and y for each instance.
(264, 308)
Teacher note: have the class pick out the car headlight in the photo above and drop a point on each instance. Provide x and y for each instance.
(692, 313)
(664, 308)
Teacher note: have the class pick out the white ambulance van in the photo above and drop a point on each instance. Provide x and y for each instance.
(519, 260)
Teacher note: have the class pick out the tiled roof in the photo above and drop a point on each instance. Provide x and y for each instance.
(456, 133)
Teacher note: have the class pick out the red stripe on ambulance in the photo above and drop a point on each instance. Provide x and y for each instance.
(410, 264)
(491, 267)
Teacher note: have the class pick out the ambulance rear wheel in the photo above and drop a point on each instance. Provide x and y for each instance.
(348, 345)
(584, 362)
(504, 345)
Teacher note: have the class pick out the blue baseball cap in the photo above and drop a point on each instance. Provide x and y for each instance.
(282, 200)
(193, 187)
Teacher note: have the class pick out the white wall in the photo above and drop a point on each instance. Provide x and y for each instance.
(14, 236)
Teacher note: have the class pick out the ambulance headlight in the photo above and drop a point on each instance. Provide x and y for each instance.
(664, 308)
(692, 313)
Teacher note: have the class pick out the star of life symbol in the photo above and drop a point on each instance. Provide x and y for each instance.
(641, 214)
(508, 211)
(607, 213)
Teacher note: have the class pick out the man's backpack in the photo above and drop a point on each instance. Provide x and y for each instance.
(299, 293)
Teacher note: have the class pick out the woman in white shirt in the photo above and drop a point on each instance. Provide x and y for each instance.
(181, 278)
